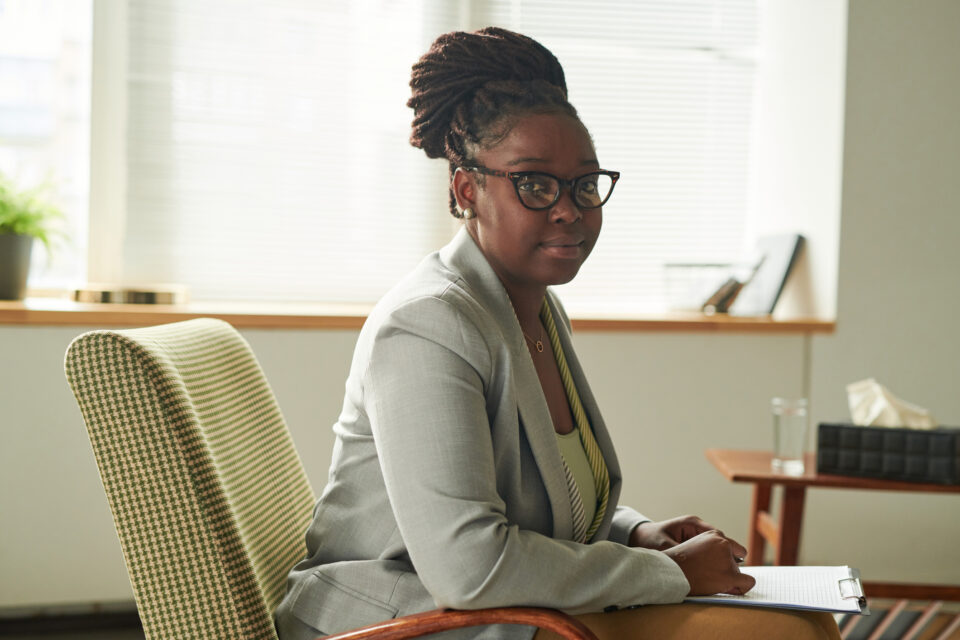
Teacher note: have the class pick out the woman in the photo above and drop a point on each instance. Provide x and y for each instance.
(472, 466)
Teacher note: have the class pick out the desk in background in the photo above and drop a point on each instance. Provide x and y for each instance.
(783, 533)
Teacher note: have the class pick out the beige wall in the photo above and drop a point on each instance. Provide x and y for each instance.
(666, 396)
(899, 272)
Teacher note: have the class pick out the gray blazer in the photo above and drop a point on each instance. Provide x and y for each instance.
(446, 487)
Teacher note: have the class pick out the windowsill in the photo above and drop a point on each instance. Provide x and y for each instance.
(60, 312)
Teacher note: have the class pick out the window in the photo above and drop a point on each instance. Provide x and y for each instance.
(45, 117)
(666, 89)
(266, 153)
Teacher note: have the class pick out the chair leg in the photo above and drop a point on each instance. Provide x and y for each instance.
(761, 504)
(950, 628)
(929, 611)
(888, 619)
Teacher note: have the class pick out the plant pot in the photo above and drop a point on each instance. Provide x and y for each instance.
(14, 265)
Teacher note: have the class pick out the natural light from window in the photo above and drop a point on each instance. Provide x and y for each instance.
(265, 156)
(45, 119)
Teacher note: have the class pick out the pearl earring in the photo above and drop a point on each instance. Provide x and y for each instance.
(469, 213)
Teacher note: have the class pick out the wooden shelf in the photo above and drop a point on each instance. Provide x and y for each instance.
(60, 312)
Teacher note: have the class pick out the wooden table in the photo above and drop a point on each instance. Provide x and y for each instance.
(784, 533)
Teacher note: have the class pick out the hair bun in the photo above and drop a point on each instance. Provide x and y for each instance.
(458, 64)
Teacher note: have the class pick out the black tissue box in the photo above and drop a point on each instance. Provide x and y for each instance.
(911, 455)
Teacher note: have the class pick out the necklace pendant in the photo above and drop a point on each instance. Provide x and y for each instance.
(539, 346)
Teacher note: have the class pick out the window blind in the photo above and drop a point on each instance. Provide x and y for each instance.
(268, 155)
(45, 120)
(666, 89)
(267, 148)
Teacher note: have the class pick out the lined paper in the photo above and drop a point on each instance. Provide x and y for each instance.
(820, 588)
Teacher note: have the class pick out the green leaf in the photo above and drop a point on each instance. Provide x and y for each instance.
(29, 212)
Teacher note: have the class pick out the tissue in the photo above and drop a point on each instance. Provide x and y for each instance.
(872, 404)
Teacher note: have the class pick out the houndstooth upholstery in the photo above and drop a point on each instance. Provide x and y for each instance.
(208, 494)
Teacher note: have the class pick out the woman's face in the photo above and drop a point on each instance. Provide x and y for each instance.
(529, 249)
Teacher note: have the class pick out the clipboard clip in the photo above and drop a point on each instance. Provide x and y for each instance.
(851, 589)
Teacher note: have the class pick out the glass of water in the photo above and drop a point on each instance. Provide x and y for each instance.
(789, 435)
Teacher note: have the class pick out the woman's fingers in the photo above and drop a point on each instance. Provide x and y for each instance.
(665, 543)
(709, 563)
(744, 582)
(739, 551)
(683, 528)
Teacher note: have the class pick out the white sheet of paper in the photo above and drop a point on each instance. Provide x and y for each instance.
(821, 588)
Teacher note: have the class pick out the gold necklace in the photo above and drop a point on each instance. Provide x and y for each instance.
(537, 344)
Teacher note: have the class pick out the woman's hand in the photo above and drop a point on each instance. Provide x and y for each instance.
(668, 533)
(709, 562)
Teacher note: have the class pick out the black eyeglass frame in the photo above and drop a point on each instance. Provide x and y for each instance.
(517, 176)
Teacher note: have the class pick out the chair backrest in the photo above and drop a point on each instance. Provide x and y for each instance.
(208, 494)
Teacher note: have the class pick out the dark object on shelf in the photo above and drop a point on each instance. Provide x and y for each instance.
(721, 299)
(146, 294)
(910, 455)
(15, 252)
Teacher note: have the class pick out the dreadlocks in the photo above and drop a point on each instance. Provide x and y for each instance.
(469, 89)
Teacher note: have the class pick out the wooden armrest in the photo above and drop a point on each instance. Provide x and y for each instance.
(438, 620)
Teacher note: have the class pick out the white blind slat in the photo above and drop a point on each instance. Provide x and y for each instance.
(666, 89)
(268, 155)
(267, 149)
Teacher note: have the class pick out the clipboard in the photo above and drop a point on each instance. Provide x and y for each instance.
(835, 589)
(852, 589)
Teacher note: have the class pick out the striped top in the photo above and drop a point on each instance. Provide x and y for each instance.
(576, 459)
(601, 476)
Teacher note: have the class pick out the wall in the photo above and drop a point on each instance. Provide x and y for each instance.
(797, 142)
(666, 398)
(898, 273)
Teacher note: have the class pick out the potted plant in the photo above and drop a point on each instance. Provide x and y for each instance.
(25, 215)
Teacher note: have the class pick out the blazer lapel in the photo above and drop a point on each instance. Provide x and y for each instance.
(463, 255)
(536, 421)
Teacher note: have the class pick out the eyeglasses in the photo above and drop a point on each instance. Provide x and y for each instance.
(538, 191)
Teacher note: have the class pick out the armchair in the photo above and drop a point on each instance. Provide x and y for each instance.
(208, 494)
